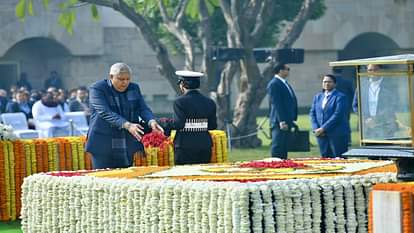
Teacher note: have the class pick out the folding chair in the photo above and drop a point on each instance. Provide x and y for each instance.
(79, 124)
(19, 124)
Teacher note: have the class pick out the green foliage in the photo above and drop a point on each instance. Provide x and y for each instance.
(46, 3)
(20, 10)
(193, 6)
(66, 18)
(286, 11)
(319, 10)
(94, 11)
(282, 11)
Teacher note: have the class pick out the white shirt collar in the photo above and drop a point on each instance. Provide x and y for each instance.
(328, 93)
(280, 78)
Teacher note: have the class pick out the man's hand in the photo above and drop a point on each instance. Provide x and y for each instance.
(135, 130)
(156, 127)
(283, 126)
(319, 132)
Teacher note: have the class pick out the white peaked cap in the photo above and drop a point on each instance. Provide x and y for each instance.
(188, 74)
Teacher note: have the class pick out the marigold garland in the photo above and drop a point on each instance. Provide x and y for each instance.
(21, 158)
(11, 195)
(4, 216)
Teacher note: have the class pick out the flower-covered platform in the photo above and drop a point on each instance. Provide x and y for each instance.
(21, 158)
(206, 198)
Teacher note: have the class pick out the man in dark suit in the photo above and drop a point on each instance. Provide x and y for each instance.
(3, 104)
(378, 106)
(53, 81)
(194, 115)
(283, 110)
(329, 119)
(116, 107)
(21, 104)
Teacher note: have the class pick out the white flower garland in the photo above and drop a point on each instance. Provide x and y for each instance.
(6, 132)
(290, 221)
(307, 208)
(244, 209)
(269, 222)
(220, 210)
(184, 209)
(212, 208)
(176, 204)
(360, 206)
(339, 201)
(351, 223)
(90, 204)
(315, 195)
(328, 206)
(280, 207)
(197, 208)
(297, 208)
(228, 213)
(257, 208)
(205, 210)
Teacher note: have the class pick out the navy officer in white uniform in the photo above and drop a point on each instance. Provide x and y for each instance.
(194, 115)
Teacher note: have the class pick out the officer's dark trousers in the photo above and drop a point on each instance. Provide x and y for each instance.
(279, 148)
(102, 161)
(192, 155)
(333, 146)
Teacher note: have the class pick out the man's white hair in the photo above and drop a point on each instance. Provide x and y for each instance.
(118, 68)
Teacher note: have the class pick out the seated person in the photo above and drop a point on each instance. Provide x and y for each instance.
(49, 117)
(80, 103)
(21, 104)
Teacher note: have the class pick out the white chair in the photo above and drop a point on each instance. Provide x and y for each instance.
(19, 124)
(78, 121)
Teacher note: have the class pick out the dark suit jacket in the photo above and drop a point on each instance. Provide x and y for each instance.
(106, 118)
(15, 107)
(333, 118)
(283, 106)
(193, 105)
(3, 104)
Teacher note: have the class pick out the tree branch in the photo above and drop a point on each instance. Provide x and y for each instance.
(231, 21)
(298, 24)
(204, 34)
(262, 20)
(168, 68)
(175, 28)
(179, 13)
(163, 11)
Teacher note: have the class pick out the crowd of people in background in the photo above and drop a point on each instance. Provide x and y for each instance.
(45, 105)
(330, 110)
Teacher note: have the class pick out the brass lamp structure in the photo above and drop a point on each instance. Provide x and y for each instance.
(385, 106)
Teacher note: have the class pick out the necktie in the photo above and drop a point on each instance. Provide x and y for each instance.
(324, 101)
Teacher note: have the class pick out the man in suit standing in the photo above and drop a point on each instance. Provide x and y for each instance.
(116, 107)
(283, 110)
(329, 119)
(194, 115)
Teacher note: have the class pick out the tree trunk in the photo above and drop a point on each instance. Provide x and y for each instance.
(223, 99)
(247, 105)
(253, 89)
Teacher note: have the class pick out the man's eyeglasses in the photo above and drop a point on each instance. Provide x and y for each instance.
(287, 68)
